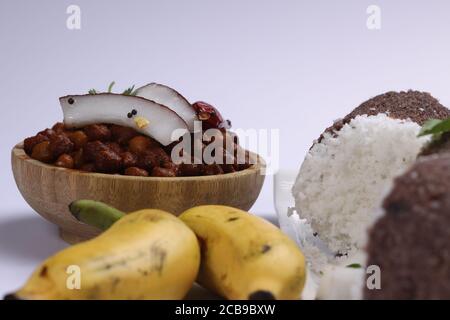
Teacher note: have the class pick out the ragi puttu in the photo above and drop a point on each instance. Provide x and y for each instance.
(410, 241)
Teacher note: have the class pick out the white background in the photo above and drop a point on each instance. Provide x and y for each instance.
(288, 65)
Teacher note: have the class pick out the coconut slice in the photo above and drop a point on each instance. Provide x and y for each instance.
(171, 98)
(145, 116)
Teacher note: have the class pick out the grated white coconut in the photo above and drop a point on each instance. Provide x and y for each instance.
(344, 178)
(341, 283)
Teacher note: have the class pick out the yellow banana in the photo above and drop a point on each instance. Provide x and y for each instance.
(244, 256)
(148, 254)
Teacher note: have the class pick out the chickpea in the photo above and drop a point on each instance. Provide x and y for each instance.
(108, 161)
(78, 158)
(129, 159)
(91, 149)
(212, 169)
(122, 134)
(162, 155)
(59, 127)
(97, 132)
(79, 139)
(163, 172)
(189, 170)
(135, 171)
(59, 144)
(153, 157)
(65, 161)
(47, 132)
(169, 165)
(139, 144)
(243, 166)
(41, 152)
(88, 167)
(148, 160)
(29, 143)
(114, 146)
(228, 168)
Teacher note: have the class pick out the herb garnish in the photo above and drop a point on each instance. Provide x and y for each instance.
(435, 127)
(110, 86)
(128, 92)
(354, 266)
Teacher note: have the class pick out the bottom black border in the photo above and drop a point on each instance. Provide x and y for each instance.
(224, 309)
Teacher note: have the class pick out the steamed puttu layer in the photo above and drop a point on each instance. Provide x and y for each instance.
(345, 176)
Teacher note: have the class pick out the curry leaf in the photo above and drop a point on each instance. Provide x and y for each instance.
(130, 91)
(435, 127)
(111, 85)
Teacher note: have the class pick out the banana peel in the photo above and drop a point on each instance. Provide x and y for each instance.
(148, 254)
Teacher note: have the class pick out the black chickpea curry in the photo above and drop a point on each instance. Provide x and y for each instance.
(135, 133)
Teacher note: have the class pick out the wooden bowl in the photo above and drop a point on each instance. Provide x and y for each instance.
(49, 190)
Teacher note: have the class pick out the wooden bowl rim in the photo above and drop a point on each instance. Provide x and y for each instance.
(19, 153)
